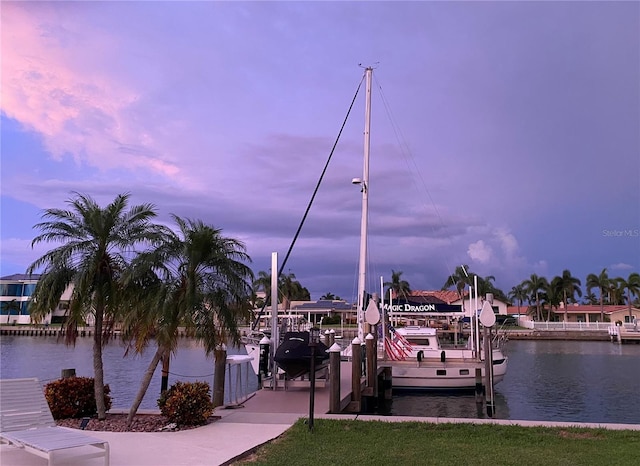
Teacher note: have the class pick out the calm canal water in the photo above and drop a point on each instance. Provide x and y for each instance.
(569, 381)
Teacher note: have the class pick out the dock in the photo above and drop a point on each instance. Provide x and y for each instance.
(621, 334)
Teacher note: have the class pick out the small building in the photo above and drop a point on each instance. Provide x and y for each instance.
(315, 311)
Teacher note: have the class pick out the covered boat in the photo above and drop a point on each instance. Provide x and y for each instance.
(293, 355)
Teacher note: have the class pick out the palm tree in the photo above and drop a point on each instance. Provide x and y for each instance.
(533, 286)
(552, 295)
(590, 298)
(397, 285)
(291, 290)
(485, 286)
(263, 282)
(97, 244)
(632, 286)
(196, 278)
(569, 286)
(601, 282)
(330, 297)
(616, 293)
(518, 294)
(459, 279)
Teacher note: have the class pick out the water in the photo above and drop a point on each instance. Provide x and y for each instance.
(570, 381)
(44, 358)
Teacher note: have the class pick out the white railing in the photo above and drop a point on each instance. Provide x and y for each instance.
(568, 326)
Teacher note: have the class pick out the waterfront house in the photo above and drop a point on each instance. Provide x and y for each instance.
(15, 295)
(587, 313)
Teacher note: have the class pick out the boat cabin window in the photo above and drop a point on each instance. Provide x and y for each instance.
(464, 371)
(441, 372)
(418, 341)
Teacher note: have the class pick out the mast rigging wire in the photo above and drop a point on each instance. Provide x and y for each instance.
(304, 217)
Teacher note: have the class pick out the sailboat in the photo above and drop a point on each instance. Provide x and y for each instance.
(417, 358)
(415, 354)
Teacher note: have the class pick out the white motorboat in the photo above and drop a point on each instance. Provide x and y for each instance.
(419, 361)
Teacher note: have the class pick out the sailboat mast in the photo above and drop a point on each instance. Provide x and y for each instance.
(365, 206)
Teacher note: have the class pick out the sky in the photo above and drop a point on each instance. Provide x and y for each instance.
(504, 135)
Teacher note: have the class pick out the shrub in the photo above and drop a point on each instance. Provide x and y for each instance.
(186, 404)
(331, 320)
(74, 397)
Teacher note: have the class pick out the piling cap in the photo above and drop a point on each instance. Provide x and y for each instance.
(335, 348)
(326, 332)
(369, 337)
(332, 331)
(265, 341)
(355, 341)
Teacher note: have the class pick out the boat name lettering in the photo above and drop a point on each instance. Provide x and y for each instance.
(410, 307)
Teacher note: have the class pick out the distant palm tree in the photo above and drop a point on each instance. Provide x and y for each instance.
(590, 298)
(196, 278)
(263, 282)
(600, 281)
(97, 244)
(552, 295)
(289, 289)
(616, 293)
(632, 286)
(569, 287)
(518, 294)
(534, 285)
(485, 286)
(460, 278)
(330, 297)
(399, 286)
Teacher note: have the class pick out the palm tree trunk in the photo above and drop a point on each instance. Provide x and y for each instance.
(144, 385)
(601, 305)
(98, 369)
(220, 354)
(164, 382)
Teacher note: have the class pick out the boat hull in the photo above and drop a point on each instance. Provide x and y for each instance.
(432, 375)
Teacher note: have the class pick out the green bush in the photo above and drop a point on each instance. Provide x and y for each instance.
(74, 397)
(186, 403)
(331, 320)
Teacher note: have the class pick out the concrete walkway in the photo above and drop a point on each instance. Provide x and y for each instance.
(259, 419)
(218, 443)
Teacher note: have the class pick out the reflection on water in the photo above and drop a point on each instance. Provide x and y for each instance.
(442, 404)
(569, 381)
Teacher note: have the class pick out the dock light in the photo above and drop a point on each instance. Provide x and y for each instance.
(314, 339)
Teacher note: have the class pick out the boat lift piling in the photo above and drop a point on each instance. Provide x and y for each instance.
(488, 319)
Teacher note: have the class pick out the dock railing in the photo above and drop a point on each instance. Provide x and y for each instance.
(567, 326)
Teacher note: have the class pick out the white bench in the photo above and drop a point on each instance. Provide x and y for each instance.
(26, 422)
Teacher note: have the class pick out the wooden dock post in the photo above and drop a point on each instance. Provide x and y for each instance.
(479, 387)
(334, 379)
(372, 373)
(356, 376)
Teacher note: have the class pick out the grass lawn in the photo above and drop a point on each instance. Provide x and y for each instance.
(338, 442)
